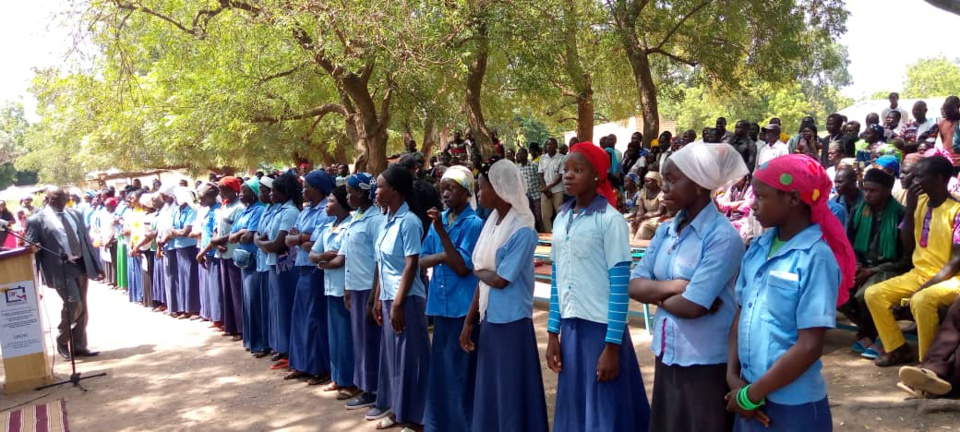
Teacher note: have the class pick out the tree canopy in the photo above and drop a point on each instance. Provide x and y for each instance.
(219, 84)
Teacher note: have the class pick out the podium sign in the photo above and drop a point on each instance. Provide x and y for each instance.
(25, 361)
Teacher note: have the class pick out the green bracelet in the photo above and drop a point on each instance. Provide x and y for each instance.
(744, 401)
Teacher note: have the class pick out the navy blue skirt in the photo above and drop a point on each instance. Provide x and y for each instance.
(134, 279)
(583, 404)
(341, 342)
(450, 387)
(188, 287)
(509, 393)
(231, 291)
(404, 361)
(366, 342)
(809, 417)
(254, 330)
(211, 301)
(171, 280)
(282, 286)
(309, 348)
(159, 276)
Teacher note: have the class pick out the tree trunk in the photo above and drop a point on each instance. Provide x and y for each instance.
(478, 68)
(371, 127)
(575, 72)
(649, 111)
(429, 137)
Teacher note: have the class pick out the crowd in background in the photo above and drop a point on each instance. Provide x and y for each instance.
(341, 278)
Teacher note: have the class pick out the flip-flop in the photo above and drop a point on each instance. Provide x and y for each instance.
(386, 423)
(870, 353)
(924, 380)
(914, 393)
(332, 387)
(858, 347)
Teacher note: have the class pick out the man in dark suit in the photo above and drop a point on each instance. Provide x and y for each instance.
(62, 231)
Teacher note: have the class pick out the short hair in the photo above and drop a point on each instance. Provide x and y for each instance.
(835, 116)
(935, 165)
(896, 113)
(894, 94)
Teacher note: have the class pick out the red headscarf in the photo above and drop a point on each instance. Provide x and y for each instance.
(231, 182)
(600, 160)
(110, 202)
(805, 175)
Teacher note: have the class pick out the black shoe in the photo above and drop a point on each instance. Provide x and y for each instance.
(276, 357)
(64, 351)
(87, 353)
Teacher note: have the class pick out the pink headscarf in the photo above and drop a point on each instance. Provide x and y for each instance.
(806, 176)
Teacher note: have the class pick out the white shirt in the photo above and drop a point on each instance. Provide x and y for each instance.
(550, 167)
(61, 232)
(904, 115)
(769, 152)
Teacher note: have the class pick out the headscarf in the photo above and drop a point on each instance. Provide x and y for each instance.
(613, 162)
(889, 163)
(634, 178)
(254, 185)
(937, 151)
(185, 195)
(321, 181)
(509, 184)
(168, 189)
(364, 181)
(463, 177)
(231, 182)
(600, 160)
(912, 158)
(655, 176)
(877, 129)
(711, 166)
(110, 202)
(806, 176)
(267, 182)
(146, 200)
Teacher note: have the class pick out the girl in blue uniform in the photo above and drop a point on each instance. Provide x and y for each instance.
(599, 387)
(309, 346)
(401, 303)
(687, 272)
(185, 247)
(509, 392)
(263, 268)
(448, 249)
(282, 276)
(208, 271)
(359, 268)
(326, 253)
(245, 257)
(787, 297)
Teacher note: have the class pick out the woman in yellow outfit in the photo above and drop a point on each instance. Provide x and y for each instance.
(931, 229)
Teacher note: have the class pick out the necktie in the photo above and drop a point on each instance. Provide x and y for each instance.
(72, 239)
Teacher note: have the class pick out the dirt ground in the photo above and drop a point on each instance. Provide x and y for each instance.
(167, 374)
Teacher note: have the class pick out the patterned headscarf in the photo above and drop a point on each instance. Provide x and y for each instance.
(805, 175)
(364, 181)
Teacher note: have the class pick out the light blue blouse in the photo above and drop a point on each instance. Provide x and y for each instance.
(359, 249)
(794, 289)
(330, 238)
(705, 253)
(183, 217)
(266, 218)
(284, 219)
(309, 220)
(515, 265)
(399, 238)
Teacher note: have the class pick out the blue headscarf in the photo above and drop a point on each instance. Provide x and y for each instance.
(364, 181)
(889, 163)
(321, 181)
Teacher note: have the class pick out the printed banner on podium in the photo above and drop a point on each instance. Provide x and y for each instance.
(20, 332)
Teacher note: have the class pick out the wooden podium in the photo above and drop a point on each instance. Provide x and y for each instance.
(25, 360)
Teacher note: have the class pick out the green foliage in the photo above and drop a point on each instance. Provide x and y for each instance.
(932, 77)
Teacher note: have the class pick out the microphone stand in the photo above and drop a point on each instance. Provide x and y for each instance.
(75, 377)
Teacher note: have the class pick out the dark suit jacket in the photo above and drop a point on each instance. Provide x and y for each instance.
(41, 229)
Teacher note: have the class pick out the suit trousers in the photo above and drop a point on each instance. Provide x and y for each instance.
(74, 296)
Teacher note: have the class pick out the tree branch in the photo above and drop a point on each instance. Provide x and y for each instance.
(200, 20)
(680, 24)
(673, 57)
(318, 111)
(282, 73)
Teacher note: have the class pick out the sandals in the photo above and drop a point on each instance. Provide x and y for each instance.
(347, 393)
(386, 423)
(315, 381)
(924, 380)
(294, 375)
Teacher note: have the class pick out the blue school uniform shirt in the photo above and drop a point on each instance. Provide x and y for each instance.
(284, 219)
(587, 244)
(399, 238)
(249, 219)
(183, 217)
(330, 238)
(451, 295)
(308, 221)
(359, 249)
(515, 265)
(209, 223)
(796, 288)
(705, 253)
(266, 218)
(839, 211)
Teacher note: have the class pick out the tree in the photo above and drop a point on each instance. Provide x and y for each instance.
(728, 41)
(932, 77)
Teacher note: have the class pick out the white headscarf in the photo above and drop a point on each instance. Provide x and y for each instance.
(464, 177)
(509, 184)
(186, 196)
(710, 166)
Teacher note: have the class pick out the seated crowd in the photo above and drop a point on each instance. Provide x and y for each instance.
(410, 293)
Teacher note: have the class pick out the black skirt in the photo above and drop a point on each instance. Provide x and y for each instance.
(690, 399)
